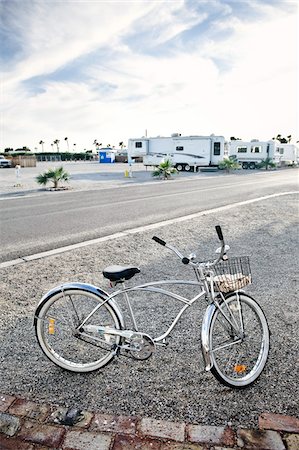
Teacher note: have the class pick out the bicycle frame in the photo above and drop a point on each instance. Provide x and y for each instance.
(152, 287)
(206, 291)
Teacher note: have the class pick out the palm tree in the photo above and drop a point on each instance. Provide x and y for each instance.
(266, 163)
(96, 144)
(42, 144)
(67, 142)
(164, 170)
(54, 175)
(229, 164)
(56, 142)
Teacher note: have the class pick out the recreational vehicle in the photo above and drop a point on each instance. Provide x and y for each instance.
(250, 154)
(186, 152)
(286, 154)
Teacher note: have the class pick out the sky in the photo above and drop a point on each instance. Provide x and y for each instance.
(113, 70)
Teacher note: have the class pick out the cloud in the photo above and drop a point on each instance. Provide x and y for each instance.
(109, 70)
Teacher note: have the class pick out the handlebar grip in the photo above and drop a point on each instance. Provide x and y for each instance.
(156, 239)
(219, 232)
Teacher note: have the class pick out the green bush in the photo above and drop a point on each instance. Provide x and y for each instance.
(164, 170)
(229, 164)
(53, 175)
(266, 164)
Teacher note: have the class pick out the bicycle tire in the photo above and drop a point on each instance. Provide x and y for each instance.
(239, 364)
(58, 317)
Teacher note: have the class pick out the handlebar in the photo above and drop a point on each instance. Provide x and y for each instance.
(186, 260)
(155, 238)
(219, 232)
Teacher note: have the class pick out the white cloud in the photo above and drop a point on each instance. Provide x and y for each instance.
(126, 91)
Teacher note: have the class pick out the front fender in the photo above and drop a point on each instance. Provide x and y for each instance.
(84, 287)
(205, 344)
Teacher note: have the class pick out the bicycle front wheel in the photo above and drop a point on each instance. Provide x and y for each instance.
(63, 341)
(239, 341)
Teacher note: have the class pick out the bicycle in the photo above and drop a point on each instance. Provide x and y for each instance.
(81, 328)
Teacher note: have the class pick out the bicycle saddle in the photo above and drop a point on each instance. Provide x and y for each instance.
(118, 273)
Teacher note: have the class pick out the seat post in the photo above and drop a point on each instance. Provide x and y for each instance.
(129, 305)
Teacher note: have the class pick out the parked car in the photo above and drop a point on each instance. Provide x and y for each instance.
(5, 162)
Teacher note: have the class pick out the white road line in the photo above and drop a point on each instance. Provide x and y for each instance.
(136, 230)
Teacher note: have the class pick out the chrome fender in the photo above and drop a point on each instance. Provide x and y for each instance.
(205, 344)
(85, 287)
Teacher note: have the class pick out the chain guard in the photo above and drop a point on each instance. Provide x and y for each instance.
(141, 346)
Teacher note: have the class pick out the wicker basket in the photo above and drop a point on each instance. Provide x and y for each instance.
(232, 274)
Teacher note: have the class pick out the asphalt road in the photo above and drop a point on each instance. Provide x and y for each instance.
(32, 224)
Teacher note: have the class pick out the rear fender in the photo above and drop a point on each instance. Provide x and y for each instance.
(84, 287)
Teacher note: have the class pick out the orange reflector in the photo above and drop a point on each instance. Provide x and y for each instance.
(51, 326)
(240, 368)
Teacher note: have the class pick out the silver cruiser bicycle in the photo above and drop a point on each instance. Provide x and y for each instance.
(81, 328)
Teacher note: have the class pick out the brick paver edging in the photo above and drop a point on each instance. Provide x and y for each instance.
(26, 425)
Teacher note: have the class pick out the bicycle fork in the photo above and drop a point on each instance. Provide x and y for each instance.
(206, 326)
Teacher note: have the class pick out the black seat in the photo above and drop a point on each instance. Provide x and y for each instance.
(119, 273)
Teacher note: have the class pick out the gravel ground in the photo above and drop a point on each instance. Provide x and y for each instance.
(172, 384)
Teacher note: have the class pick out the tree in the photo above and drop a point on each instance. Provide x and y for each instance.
(164, 170)
(97, 144)
(67, 142)
(23, 149)
(8, 150)
(283, 140)
(42, 144)
(266, 163)
(56, 142)
(229, 164)
(53, 175)
(235, 139)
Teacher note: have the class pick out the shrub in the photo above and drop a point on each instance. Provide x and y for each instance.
(229, 164)
(164, 170)
(53, 175)
(266, 163)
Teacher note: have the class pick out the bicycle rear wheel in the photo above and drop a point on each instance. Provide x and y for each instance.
(67, 346)
(239, 346)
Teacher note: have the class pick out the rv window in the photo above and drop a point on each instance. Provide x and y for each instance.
(256, 149)
(138, 144)
(217, 148)
(179, 149)
(242, 149)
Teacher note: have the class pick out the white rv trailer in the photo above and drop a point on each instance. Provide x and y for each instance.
(186, 152)
(286, 154)
(249, 154)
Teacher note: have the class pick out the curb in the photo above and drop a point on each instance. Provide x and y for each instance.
(26, 425)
